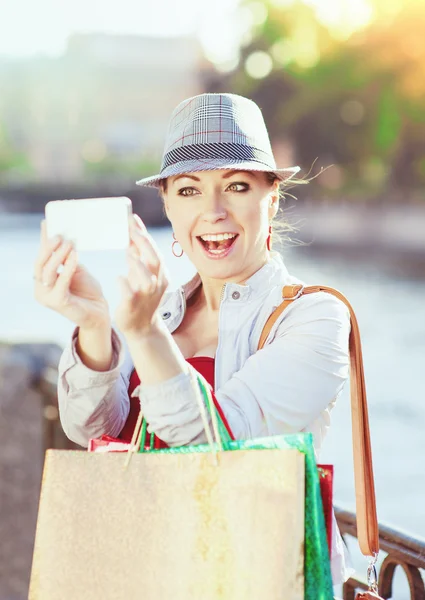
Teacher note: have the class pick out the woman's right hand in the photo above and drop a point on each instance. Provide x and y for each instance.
(73, 292)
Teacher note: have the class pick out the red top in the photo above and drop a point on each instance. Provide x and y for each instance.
(203, 364)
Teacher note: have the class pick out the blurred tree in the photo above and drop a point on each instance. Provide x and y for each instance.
(355, 100)
(13, 163)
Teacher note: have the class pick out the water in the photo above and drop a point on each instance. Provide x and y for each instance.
(391, 316)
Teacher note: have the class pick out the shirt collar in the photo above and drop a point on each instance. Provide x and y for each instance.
(259, 281)
(265, 276)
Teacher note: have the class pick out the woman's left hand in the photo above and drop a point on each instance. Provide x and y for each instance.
(143, 288)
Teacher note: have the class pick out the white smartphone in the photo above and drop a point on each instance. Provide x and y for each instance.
(91, 223)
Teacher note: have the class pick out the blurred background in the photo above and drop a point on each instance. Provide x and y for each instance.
(86, 92)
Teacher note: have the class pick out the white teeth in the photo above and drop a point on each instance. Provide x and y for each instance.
(219, 237)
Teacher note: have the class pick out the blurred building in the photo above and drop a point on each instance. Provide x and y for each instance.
(103, 105)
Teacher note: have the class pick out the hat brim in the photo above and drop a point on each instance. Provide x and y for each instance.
(192, 166)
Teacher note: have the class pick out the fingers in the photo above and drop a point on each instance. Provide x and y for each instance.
(47, 247)
(43, 231)
(140, 278)
(145, 245)
(49, 272)
(63, 281)
(147, 252)
(138, 223)
(46, 241)
(131, 293)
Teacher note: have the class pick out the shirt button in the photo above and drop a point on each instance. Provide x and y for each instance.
(166, 315)
(236, 295)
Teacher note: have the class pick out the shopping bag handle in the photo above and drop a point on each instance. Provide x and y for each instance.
(367, 522)
(206, 406)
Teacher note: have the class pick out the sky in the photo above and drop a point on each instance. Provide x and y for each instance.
(33, 27)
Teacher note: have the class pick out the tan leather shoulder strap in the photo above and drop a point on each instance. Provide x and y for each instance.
(367, 523)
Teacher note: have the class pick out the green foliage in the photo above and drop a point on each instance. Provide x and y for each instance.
(388, 123)
(358, 103)
(121, 167)
(13, 163)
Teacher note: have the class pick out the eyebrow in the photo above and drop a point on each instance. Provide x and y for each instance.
(224, 176)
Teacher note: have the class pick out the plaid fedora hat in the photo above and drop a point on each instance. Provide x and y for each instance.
(217, 131)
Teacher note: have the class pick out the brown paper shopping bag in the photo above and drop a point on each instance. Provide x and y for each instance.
(170, 526)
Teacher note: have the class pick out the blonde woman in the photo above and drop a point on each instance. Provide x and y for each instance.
(220, 187)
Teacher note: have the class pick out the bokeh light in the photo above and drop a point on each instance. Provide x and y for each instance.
(352, 112)
(258, 65)
(282, 52)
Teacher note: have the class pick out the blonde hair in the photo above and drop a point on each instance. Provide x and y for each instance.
(282, 228)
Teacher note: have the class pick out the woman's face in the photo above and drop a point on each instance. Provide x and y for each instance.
(241, 204)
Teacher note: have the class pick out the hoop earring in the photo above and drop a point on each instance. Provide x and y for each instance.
(269, 239)
(172, 248)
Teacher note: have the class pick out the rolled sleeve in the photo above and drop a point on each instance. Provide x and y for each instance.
(172, 410)
(82, 377)
(92, 403)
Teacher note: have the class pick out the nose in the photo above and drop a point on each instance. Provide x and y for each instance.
(214, 209)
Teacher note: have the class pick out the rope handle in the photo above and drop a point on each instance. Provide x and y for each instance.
(206, 406)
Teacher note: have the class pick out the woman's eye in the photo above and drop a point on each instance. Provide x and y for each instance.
(237, 187)
(187, 191)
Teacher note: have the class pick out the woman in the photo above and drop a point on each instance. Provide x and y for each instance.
(220, 188)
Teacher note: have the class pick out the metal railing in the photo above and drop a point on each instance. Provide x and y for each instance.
(402, 550)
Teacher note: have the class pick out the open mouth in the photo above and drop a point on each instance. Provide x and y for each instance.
(217, 248)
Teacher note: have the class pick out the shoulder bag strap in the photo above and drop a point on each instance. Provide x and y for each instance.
(367, 523)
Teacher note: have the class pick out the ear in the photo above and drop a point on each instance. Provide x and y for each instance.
(274, 200)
